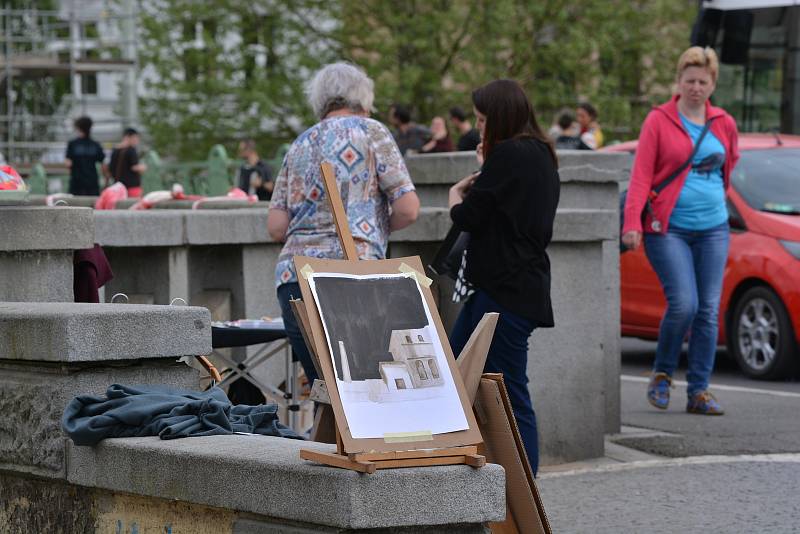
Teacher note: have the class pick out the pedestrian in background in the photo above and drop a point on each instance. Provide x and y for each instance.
(470, 137)
(566, 133)
(686, 230)
(83, 155)
(124, 164)
(440, 137)
(255, 176)
(379, 195)
(410, 137)
(508, 210)
(591, 134)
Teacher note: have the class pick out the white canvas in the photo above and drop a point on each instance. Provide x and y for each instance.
(406, 386)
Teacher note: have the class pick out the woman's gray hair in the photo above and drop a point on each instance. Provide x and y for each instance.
(340, 86)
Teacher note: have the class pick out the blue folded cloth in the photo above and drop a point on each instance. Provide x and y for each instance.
(128, 411)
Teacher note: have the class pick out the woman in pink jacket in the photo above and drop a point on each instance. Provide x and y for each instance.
(685, 229)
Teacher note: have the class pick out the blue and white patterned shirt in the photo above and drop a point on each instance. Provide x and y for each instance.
(371, 175)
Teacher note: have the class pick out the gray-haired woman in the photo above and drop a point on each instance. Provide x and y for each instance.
(373, 180)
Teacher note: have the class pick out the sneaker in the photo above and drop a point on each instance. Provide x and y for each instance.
(704, 403)
(658, 390)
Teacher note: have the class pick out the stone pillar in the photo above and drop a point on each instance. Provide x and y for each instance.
(37, 249)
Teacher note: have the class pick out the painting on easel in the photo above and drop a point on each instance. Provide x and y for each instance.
(390, 367)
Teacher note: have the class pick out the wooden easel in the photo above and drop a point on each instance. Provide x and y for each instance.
(414, 454)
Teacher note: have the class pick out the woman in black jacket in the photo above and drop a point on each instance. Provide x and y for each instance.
(508, 208)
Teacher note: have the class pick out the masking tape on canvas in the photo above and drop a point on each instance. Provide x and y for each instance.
(404, 437)
(416, 275)
(306, 271)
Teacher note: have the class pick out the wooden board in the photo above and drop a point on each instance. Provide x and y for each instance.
(470, 436)
(503, 445)
(338, 211)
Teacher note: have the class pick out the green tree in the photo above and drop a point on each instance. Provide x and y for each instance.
(219, 71)
(216, 72)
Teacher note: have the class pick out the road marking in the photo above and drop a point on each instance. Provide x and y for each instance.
(784, 458)
(740, 389)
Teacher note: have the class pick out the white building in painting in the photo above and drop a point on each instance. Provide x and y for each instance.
(413, 374)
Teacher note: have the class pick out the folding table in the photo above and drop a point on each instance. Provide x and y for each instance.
(273, 338)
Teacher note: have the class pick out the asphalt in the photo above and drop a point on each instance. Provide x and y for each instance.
(669, 471)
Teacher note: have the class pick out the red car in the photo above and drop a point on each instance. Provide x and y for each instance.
(760, 305)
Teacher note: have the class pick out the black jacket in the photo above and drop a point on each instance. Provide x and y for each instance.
(509, 213)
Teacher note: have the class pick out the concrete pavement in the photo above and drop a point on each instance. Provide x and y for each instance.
(669, 471)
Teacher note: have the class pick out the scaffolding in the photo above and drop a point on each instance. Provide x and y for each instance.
(55, 65)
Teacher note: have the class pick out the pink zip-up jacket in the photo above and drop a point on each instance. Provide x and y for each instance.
(664, 145)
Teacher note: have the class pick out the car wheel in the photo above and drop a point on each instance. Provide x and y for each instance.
(761, 338)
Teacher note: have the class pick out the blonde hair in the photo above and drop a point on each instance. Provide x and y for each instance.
(697, 56)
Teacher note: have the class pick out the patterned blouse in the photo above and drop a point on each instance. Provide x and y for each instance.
(371, 175)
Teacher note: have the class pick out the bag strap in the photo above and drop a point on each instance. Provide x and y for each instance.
(120, 155)
(660, 187)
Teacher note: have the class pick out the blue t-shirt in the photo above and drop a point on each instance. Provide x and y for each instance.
(701, 204)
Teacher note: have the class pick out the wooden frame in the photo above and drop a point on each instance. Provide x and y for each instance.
(367, 455)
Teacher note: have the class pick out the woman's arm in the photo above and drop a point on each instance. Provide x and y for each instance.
(641, 179)
(277, 224)
(405, 210)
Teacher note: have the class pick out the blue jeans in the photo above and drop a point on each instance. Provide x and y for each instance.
(690, 265)
(508, 354)
(286, 292)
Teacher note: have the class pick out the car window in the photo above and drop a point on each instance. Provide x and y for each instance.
(769, 180)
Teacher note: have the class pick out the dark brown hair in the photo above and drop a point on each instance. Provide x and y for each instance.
(84, 125)
(509, 115)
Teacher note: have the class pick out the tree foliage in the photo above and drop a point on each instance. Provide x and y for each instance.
(228, 69)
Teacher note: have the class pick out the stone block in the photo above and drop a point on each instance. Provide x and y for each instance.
(218, 226)
(579, 225)
(101, 332)
(33, 397)
(566, 364)
(44, 228)
(151, 228)
(447, 168)
(590, 166)
(36, 276)
(264, 475)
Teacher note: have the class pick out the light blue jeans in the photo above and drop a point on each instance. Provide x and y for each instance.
(690, 265)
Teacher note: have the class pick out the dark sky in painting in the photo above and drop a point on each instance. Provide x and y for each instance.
(363, 313)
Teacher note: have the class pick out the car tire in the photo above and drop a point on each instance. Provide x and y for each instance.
(761, 336)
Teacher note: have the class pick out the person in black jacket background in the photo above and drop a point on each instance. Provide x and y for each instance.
(508, 209)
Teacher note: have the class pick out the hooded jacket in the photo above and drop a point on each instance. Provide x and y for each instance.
(664, 145)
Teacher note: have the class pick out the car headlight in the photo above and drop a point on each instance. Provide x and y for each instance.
(792, 247)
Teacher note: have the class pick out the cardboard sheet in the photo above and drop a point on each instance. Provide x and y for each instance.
(503, 445)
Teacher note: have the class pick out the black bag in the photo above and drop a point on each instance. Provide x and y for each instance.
(448, 257)
(648, 209)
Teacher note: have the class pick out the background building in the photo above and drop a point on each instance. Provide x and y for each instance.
(758, 42)
(60, 60)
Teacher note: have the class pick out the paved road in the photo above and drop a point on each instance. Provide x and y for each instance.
(678, 496)
(688, 473)
(762, 417)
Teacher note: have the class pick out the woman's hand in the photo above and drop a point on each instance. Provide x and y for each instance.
(632, 239)
(479, 153)
(460, 189)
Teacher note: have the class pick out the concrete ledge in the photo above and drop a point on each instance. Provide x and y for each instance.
(122, 228)
(265, 476)
(443, 168)
(571, 225)
(249, 226)
(573, 165)
(580, 225)
(226, 226)
(598, 167)
(43, 228)
(64, 332)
